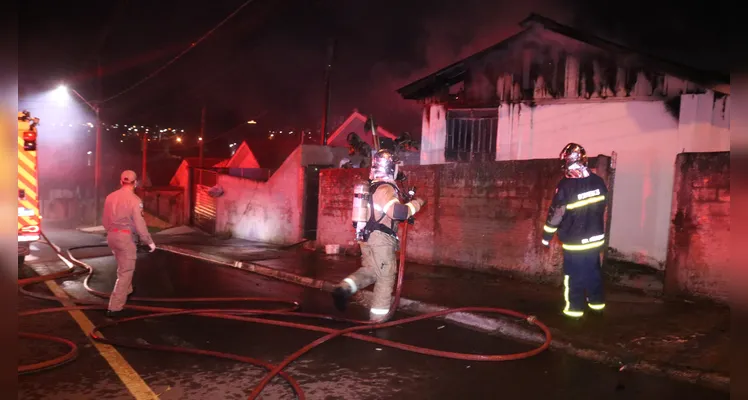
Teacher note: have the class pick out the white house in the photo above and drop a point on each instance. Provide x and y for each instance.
(529, 95)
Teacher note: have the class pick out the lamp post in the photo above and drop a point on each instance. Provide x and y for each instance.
(97, 157)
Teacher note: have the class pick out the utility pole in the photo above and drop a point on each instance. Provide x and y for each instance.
(326, 111)
(97, 157)
(201, 139)
(144, 170)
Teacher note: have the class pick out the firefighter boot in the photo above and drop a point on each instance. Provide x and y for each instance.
(340, 297)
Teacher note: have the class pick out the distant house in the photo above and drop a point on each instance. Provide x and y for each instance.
(181, 176)
(243, 158)
(529, 95)
(355, 124)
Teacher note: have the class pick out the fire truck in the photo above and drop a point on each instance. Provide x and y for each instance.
(29, 220)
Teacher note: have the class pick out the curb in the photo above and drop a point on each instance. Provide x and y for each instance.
(492, 325)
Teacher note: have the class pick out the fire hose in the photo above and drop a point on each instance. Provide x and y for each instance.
(288, 308)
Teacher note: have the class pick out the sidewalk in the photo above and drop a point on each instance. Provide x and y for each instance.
(683, 340)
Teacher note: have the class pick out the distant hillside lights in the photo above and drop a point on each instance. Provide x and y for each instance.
(127, 131)
(273, 134)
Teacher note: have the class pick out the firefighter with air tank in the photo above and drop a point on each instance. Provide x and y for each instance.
(378, 206)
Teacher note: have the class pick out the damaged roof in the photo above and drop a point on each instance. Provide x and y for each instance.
(456, 72)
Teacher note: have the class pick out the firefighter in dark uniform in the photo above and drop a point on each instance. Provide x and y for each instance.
(577, 214)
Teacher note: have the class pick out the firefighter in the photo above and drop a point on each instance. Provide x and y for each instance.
(577, 214)
(123, 219)
(379, 241)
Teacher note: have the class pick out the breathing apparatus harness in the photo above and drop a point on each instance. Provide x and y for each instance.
(375, 224)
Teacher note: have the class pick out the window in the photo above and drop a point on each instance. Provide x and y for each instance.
(471, 135)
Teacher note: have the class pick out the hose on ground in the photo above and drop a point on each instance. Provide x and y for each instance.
(286, 308)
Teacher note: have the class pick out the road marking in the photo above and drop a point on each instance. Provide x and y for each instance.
(132, 380)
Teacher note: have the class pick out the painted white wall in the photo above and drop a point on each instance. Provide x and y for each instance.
(264, 211)
(433, 134)
(644, 135)
(705, 122)
(646, 138)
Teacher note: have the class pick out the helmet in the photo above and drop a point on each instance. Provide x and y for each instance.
(128, 177)
(383, 165)
(574, 160)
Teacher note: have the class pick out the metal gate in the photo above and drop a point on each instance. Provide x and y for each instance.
(204, 206)
(311, 200)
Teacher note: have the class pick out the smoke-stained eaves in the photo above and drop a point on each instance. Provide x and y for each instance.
(439, 82)
(449, 75)
(714, 80)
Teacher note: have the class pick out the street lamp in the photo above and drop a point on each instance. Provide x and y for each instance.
(62, 94)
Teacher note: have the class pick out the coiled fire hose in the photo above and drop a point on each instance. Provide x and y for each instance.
(288, 308)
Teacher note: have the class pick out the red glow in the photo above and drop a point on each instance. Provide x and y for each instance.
(29, 136)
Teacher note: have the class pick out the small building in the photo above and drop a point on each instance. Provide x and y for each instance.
(181, 176)
(529, 95)
(355, 123)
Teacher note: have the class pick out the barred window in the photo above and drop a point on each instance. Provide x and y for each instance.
(471, 135)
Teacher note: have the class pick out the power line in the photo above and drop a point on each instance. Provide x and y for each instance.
(173, 60)
(191, 92)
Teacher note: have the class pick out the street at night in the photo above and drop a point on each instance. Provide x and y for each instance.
(332, 199)
(341, 369)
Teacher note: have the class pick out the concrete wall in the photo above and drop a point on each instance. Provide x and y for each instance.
(699, 251)
(481, 215)
(646, 136)
(166, 204)
(272, 211)
(264, 211)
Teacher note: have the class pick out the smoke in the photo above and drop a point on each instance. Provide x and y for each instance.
(442, 36)
(450, 32)
(270, 60)
(689, 33)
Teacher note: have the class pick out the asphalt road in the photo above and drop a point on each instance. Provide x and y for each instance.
(341, 369)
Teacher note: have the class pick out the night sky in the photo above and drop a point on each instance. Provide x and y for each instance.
(267, 63)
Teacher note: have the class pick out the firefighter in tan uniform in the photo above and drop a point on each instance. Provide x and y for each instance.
(377, 234)
(123, 219)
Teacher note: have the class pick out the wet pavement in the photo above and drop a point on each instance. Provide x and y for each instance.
(682, 333)
(341, 369)
(66, 238)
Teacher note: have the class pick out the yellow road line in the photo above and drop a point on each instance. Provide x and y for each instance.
(135, 384)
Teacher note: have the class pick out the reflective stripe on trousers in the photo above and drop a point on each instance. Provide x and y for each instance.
(567, 308)
(378, 267)
(583, 286)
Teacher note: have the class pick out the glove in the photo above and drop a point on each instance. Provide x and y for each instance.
(422, 202)
(152, 247)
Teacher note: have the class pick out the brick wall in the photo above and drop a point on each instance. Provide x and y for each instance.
(481, 216)
(699, 253)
